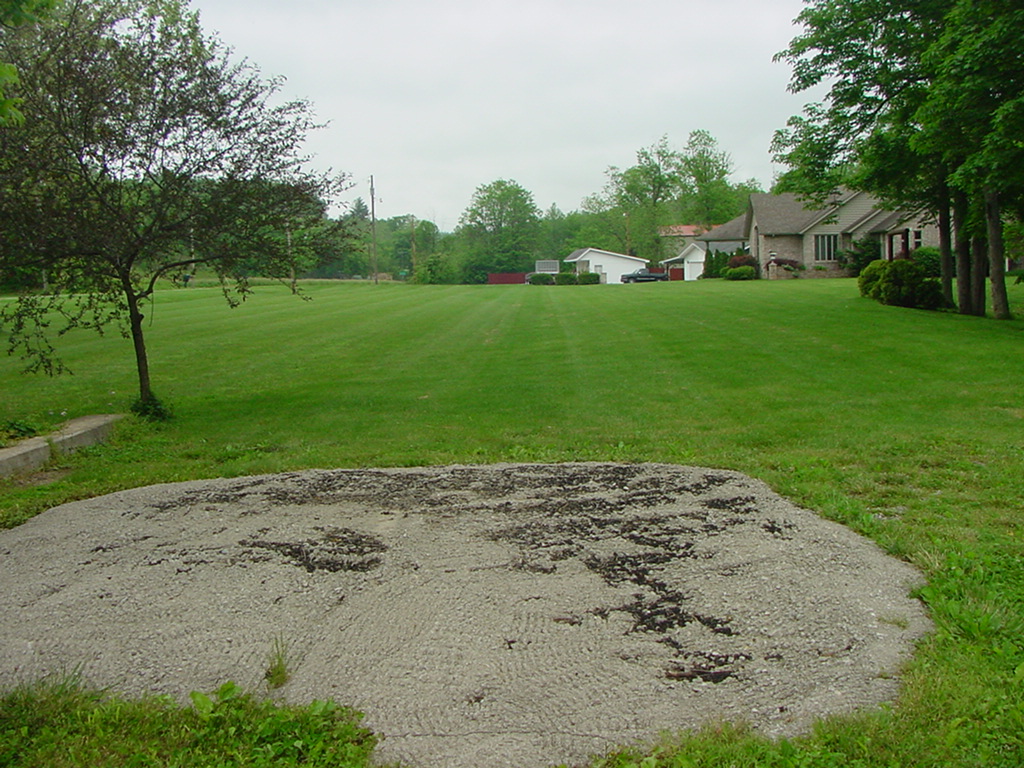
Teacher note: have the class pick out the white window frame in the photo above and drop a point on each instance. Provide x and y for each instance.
(826, 247)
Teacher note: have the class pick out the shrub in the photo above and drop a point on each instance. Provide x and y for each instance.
(714, 263)
(905, 284)
(861, 254)
(743, 260)
(900, 283)
(745, 272)
(870, 275)
(542, 278)
(930, 258)
(589, 278)
(566, 278)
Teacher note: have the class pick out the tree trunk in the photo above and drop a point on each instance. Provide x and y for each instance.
(962, 248)
(946, 247)
(996, 256)
(135, 318)
(979, 271)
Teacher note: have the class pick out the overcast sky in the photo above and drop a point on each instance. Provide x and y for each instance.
(437, 97)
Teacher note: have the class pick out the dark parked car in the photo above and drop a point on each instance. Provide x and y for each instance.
(644, 276)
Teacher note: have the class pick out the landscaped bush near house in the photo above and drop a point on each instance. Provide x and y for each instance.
(900, 283)
(589, 278)
(860, 255)
(566, 278)
(542, 278)
(745, 272)
(870, 275)
(714, 263)
(743, 260)
(930, 258)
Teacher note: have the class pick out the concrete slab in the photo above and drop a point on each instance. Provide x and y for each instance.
(28, 455)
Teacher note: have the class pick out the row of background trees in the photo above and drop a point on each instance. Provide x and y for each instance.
(504, 230)
(135, 150)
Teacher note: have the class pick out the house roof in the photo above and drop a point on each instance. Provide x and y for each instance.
(579, 253)
(735, 229)
(783, 214)
(681, 230)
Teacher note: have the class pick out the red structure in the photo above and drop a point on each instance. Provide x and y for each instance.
(506, 278)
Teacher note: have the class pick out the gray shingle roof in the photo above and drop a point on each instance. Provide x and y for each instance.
(782, 214)
(734, 229)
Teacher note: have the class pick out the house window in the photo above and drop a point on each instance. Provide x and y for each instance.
(825, 247)
(918, 238)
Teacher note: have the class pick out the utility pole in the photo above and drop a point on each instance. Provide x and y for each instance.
(412, 242)
(373, 231)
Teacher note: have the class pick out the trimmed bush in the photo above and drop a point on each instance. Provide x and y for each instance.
(906, 284)
(900, 283)
(542, 278)
(589, 278)
(566, 278)
(870, 275)
(745, 272)
(930, 258)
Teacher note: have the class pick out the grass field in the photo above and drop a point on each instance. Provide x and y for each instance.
(908, 426)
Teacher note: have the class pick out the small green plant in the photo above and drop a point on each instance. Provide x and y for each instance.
(277, 672)
(152, 409)
(589, 278)
(60, 724)
(566, 278)
(15, 429)
(542, 278)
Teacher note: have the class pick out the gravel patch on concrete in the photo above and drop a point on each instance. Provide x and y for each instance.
(500, 615)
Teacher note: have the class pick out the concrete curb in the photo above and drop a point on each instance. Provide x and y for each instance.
(32, 453)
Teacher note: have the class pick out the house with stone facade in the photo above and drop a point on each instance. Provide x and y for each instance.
(780, 226)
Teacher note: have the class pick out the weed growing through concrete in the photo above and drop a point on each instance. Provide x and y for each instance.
(277, 672)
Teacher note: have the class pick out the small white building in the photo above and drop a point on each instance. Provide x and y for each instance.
(690, 259)
(610, 266)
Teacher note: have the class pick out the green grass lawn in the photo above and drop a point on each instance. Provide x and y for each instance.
(906, 425)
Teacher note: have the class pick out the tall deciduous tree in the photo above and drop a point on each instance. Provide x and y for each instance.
(923, 105)
(145, 152)
(709, 197)
(974, 113)
(14, 13)
(637, 200)
(499, 230)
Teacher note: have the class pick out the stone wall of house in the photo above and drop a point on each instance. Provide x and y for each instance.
(783, 246)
